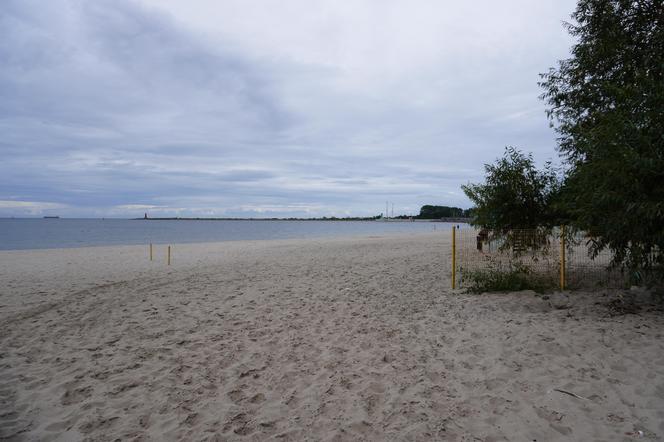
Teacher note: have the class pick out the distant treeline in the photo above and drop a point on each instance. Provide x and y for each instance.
(426, 212)
(437, 212)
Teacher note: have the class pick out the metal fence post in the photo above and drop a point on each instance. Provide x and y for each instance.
(453, 257)
(562, 257)
(169, 255)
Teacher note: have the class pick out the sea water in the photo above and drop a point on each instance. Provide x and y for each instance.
(33, 233)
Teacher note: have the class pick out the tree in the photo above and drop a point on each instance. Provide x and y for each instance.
(515, 194)
(607, 105)
(437, 212)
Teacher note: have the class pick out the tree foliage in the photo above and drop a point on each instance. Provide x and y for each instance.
(607, 105)
(437, 212)
(515, 194)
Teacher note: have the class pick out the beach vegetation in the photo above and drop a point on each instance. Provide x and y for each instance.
(516, 276)
(515, 194)
(605, 103)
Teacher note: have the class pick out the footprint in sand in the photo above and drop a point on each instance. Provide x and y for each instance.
(237, 395)
(257, 398)
(74, 396)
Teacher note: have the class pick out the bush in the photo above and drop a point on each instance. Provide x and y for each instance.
(515, 278)
(515, 194)
(606, 105)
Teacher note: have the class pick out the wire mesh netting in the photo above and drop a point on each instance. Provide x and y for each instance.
(538, 254)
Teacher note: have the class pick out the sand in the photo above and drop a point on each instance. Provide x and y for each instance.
(334, 339)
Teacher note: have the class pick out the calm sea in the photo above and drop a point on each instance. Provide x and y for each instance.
(16, 234)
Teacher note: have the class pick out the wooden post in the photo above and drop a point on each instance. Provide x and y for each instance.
(169, 255)
(150, 251)
(453, 257)
(562, 257)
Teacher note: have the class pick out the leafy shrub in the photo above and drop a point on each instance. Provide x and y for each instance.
(515, 194)
(606, 105)
(514, 278)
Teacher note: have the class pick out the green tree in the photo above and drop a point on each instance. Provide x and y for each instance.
(437, 212)
(515, 194)
(607, 105)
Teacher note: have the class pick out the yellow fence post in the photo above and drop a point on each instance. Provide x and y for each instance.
(169, 255)
(453, 257)
(562, 257)
(150, 251)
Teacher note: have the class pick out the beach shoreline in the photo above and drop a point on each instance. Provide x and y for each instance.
(341, 338)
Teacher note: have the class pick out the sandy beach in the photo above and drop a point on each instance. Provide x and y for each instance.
(331, 339)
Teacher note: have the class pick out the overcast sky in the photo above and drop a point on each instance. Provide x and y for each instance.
(268, 107)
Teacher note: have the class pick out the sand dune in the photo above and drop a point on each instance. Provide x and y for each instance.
(335, 339)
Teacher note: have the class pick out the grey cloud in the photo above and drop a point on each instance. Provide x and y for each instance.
(246, 175)
(108, 106)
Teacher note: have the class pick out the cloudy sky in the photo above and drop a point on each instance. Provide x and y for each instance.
(267, 107)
